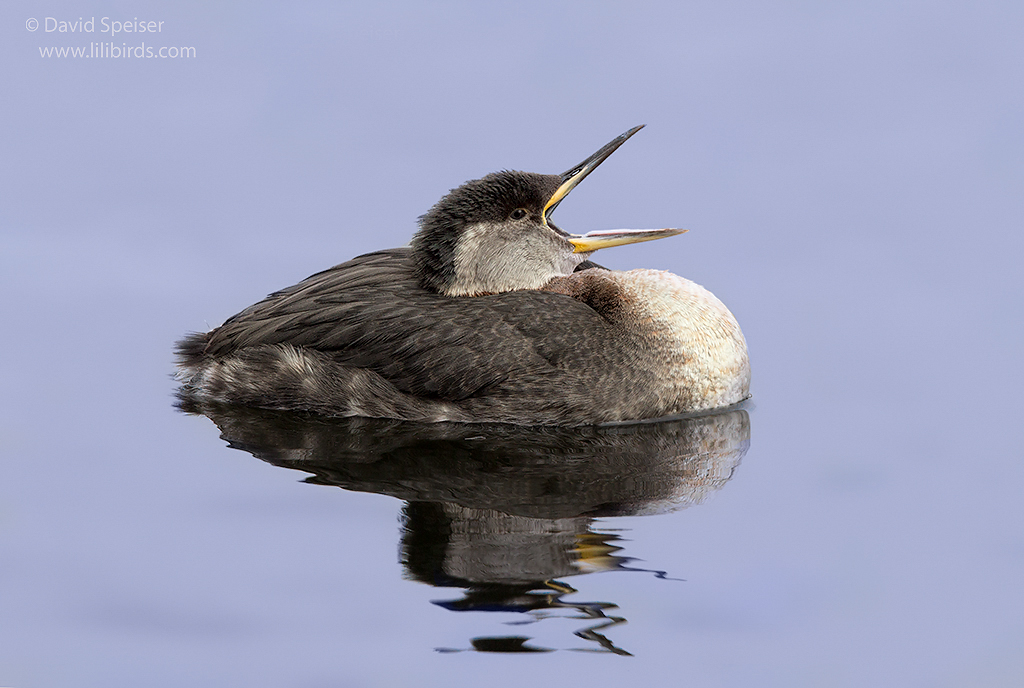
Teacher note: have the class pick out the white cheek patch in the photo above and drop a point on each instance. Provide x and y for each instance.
(489, 261)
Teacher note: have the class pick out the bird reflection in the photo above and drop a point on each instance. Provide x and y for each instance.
(505, 513)
(508, 564)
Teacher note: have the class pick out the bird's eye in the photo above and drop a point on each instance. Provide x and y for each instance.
(518, 214)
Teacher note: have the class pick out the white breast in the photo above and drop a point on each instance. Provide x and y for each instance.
(705, 354)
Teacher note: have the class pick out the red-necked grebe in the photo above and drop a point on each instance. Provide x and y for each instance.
(492, 314)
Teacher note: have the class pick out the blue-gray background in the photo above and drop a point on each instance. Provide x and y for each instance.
(852, 175)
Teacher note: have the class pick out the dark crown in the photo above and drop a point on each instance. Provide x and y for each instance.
(491, 199)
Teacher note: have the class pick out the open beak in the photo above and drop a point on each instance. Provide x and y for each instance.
(607, 238)
(576, 174)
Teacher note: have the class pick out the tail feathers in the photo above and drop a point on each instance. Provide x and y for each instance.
(190, 351)
(287, 378)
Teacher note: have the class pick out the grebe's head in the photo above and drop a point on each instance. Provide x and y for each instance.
(495, 234)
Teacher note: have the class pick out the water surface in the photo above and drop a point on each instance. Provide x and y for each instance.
(851, 178)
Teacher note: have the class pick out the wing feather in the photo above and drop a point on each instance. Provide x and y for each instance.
(370, 312)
